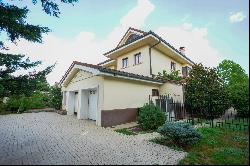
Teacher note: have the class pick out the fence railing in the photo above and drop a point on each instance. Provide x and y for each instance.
(176, 111)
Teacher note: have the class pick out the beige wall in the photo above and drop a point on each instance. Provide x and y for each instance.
(162, 62)
(159, 62)
(173, 90)
(84, 81)
(121, 94)
(142, 69)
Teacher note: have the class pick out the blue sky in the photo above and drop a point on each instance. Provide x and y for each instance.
(96, 23)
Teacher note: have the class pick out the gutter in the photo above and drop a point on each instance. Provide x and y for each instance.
(129, 78)
(150, 57)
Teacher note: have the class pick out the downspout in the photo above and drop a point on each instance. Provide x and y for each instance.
(150, 59)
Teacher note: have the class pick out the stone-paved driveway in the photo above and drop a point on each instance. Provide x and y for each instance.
(50, 138)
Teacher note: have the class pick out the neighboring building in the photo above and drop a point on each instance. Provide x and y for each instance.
(112, 91)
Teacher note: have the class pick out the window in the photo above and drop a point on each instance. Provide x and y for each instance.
(124, 62)
(185, 71)
(155, 92)
(173, 66)
(138, 58)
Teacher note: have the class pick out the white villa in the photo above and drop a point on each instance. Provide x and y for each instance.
(111, 92)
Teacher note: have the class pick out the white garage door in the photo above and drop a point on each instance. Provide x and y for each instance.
(76, 103)
(92, 104)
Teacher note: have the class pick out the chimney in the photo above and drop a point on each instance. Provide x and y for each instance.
(182, 50)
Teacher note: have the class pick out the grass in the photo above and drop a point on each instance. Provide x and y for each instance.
(125, 131)
(133, 131)
(3, 112)
(222, 146)
(166, 142)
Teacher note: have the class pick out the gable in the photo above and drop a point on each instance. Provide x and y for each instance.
(79, 71)
(81, 75)
(131, 35)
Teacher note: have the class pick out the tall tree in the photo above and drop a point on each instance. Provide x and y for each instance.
(236, 82)
(21, 84)
(13, 21)
(205, 93)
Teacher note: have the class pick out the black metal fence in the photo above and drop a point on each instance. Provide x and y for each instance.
(176, 111)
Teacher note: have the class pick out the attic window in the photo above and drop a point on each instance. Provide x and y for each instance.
(132, 38)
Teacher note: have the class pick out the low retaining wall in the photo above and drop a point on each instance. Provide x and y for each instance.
(118, 116)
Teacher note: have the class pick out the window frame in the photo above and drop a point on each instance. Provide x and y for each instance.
(123, 60)
(173, 66)
(138, 58)
(155, 92)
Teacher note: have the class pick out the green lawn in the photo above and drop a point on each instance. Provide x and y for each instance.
(220, 146)
(133, 131)
(125, 131)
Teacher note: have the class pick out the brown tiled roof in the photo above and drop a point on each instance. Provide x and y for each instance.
(108, 60)
(155, 35)
(111, 71)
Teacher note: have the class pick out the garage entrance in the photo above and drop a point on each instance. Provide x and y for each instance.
(92, 101)
(76, 103)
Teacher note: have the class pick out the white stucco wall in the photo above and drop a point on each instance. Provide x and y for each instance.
(121, 94)
(85, 81)
(162, 62)
(173, 90)
(142, 69)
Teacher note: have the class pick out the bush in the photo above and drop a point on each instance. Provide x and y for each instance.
(180, 132)
(23, 103)
(56, 97)
(151, 117)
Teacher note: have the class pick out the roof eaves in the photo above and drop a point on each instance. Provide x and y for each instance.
(126, 44)
(108, 60)
(176, 50)
(131, 75)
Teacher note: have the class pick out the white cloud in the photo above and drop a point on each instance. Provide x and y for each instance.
(195, 40)
(236, 17)
(84, 47)
(187, 26)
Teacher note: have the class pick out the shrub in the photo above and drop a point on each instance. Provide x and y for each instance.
(180, 132)
(151, 117)
(23, 103)
(56, 97)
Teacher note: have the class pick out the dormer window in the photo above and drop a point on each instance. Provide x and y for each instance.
(138, 58)
(124, 62)
(173, 66)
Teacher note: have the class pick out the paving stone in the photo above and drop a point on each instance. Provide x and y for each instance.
(50, 138)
